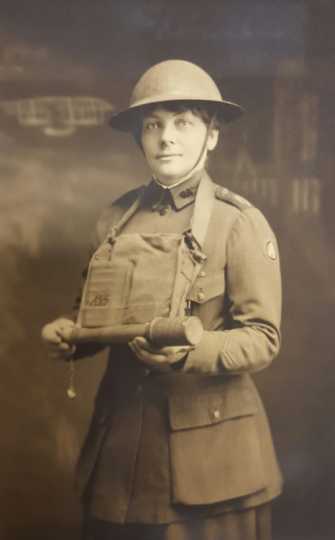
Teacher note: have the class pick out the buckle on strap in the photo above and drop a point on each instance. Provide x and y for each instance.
(195, 249)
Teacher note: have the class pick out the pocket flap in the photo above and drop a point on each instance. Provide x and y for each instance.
(207, 287)
(204, 409)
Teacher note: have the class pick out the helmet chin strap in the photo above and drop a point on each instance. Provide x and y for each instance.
(198, 165)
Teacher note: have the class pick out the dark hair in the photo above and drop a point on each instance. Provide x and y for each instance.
(205, 111)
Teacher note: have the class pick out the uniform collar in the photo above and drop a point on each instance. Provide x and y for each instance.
(180, 195)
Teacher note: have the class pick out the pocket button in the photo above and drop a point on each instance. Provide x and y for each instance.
(201, 295)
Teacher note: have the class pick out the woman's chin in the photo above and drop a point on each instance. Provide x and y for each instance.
(169, 177)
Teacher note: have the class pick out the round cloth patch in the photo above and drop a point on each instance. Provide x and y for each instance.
(270, 250)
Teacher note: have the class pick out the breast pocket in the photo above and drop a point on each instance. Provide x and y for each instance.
(215, 446)
(207, 298)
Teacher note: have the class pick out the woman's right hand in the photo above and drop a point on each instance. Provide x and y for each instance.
(54, 335)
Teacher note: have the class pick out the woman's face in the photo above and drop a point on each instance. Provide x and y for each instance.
(172, 142)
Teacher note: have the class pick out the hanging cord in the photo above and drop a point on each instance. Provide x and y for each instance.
(71, 390)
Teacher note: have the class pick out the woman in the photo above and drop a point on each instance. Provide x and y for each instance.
(179, 446)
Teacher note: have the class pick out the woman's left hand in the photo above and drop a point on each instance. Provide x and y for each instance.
(159, 358)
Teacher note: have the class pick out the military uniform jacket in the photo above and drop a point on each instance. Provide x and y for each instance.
(195, 441)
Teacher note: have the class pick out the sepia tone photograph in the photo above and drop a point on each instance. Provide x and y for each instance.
(167, 277)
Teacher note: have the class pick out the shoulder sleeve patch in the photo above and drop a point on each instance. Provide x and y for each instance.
(223, 194)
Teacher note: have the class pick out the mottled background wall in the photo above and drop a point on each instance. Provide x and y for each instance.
(63, 66)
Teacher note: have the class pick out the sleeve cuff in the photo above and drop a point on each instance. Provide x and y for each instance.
(206, 357)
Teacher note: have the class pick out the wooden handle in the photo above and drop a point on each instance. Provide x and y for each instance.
(161, 332)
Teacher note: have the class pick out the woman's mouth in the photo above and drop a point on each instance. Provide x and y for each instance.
(167, 156)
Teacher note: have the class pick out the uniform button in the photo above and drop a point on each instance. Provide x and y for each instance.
(139, 389)
(186, 193)
(202, 273)
(200, 296)
(146, 372)
(163, 210)
(216, 414)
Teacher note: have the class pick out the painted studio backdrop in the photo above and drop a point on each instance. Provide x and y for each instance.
(64, 66)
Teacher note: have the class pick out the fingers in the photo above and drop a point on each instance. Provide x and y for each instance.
(153, 356)
(64, 329)
(62, 351)
(169, 351)
(143, 352)
(57, 331)
(54, 335)
(144, 344)
(142, 349)
(49, 335)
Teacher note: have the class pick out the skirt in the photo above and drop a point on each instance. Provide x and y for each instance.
(249, 524)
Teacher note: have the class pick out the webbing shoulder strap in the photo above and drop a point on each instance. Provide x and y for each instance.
(115, 229)
(203, 207)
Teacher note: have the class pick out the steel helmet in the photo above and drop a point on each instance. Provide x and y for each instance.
(175, 80)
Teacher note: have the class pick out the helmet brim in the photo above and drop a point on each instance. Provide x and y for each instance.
(225, 111)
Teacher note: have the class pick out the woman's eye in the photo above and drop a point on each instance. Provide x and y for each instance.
(150, 125)
(181, 122)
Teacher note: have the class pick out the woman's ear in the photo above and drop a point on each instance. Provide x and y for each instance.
(213, 137)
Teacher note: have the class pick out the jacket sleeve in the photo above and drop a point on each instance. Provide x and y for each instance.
(253, 294)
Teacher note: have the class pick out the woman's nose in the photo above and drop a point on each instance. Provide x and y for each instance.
(168, 133)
